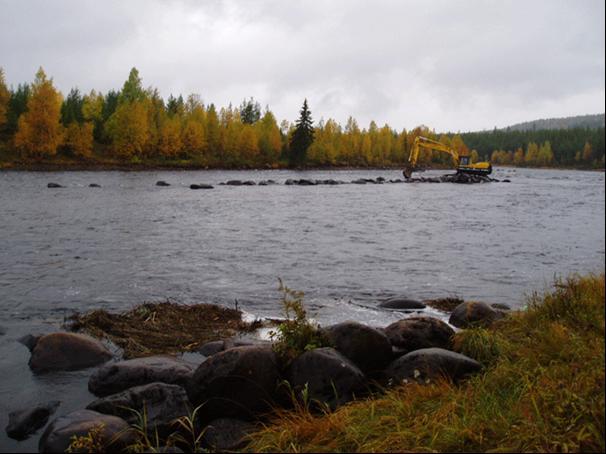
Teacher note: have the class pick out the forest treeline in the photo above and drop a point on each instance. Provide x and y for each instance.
(136, 126)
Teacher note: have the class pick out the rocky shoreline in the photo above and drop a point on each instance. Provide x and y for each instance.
(236, 384)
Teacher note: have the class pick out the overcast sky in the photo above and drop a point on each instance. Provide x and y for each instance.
(452, 65)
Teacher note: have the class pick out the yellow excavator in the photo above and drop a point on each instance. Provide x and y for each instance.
(462, 163)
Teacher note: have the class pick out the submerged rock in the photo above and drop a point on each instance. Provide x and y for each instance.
(368, 348)
(473, 313)
(415, 333)
(114, 433)
(226, 434)
(94, 185)
(401, 303)
(431, 363)
(23, 423)
(161, 402)
(29, 340)
(54, 185)
(327, 375)
(239, 382)
(162, 183)
(116, 377)
(200, 186)
(304, 182)
(67, 351)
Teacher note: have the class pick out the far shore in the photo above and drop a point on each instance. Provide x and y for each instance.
(95, 166)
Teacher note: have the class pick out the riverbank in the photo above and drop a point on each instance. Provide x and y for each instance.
(542, 390)
(524, 381)
(105, 163)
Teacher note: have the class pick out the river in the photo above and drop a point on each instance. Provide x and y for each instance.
(347, 247)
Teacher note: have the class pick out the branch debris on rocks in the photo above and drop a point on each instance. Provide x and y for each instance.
(157, 328)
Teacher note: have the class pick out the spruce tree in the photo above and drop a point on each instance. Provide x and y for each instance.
(302, 137)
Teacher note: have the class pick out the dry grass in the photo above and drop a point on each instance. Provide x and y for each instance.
(156, 328)
(542, 390)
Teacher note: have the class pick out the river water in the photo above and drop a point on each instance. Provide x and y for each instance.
(347, 247)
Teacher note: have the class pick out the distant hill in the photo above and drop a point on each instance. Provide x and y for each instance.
(583, 121)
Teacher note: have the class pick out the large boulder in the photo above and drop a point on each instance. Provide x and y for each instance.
(67, 351)
(473, 313)
(226, 434)
(115, 377)
(415, 333)
(239, 382)
(430, 363)
(367, 347)
(401, 303)
(328, 376)
(114, 433)
(162, 404)
(23, 423)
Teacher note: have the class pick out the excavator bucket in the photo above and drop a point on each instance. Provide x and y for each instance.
(407, 172)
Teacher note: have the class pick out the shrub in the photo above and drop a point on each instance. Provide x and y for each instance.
(296, 334)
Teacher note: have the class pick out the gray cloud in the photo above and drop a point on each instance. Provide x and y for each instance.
(460, 65)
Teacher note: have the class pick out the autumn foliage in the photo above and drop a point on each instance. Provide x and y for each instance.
(136, 125)
(40, 131)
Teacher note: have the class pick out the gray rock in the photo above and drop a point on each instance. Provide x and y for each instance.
(54, 185)
(328, 375)
(162, 183)
(248, 183)
(234, 183)
(29, 340)
(214, 347)
(415, 333)
(94, 185)
(115, 433)
(431, 363)
(161, 402)
(67, 351)
(115, 377)
(473, 313)
(200, 186)
(239, 382)
(368, 348)
(227, 434)
(500, 306)
(289, 182)
(359, 181)
(23, 423)
(401, 303)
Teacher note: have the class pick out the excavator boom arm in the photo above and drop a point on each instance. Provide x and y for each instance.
(429, 144)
